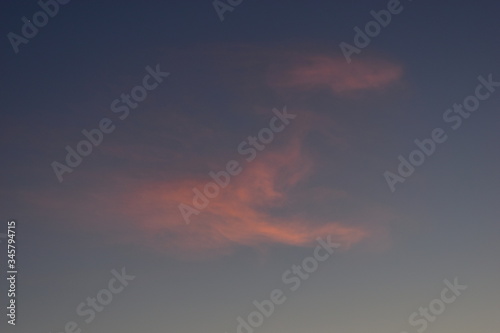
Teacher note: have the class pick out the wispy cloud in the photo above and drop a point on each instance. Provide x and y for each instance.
(316, 71)
(133, 194)
(243, 213)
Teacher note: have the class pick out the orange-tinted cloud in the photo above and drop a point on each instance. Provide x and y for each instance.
(316, 71)
(252, 211)
(164, 159)
(249, 211)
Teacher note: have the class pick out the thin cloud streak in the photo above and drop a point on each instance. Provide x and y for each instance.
(316, 71)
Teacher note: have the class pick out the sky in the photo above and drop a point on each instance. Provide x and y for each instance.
(250, 166)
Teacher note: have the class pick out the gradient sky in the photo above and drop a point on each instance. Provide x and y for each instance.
(322, 175)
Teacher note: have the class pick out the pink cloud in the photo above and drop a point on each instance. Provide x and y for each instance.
(138, 203)
(146, 212)
(315, 71)
(240, 215)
